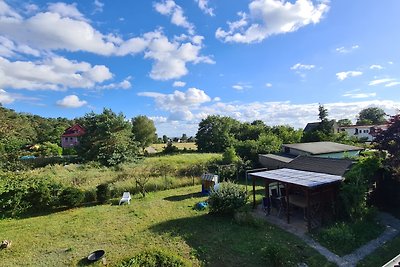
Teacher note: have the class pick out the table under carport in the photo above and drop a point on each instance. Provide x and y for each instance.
(315, 191)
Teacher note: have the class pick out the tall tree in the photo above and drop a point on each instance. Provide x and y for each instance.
(216, 133)
(322, 113)
(108, 138)
(370, 116)
(144, 131)
(389, 140)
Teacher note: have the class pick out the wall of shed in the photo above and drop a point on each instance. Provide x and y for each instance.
(270, 163)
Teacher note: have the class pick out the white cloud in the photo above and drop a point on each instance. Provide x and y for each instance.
(241, 86)
(217, 99)
(178, 84)
(181, 115)
(203, 5)
(125, 84)
(300, 66)
(170, 8)
(71, 101)
(391, 84)
(345, 50)
(380, 81)
(375, 67)
(6, 98)
(55, 73)
(66, 10)
(269, 17)
(178, 100)
(98, 6)
(268, 85)
(346, 74)
(359, 95)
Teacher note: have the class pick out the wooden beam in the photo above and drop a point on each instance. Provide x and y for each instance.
(254, 191)
(287, 203)
(308, 209)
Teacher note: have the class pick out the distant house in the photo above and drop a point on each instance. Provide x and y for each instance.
(312, 125)
(366, 132)
(314, 150)
(70, 137)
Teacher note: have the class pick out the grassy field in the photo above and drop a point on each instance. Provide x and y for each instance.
(168, 171)
(181, 146)
(163, 220)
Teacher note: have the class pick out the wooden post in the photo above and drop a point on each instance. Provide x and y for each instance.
(287, 203)
(322, 205)
(254, 191)
(308, 210)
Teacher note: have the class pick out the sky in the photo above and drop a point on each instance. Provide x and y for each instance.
(178, 61)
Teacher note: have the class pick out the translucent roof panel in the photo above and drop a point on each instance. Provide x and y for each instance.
(302, 178)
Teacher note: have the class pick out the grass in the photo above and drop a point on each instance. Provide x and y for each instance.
(343, 238)
(164, 220)
(180, 146)
(383, 254)
(175, 171)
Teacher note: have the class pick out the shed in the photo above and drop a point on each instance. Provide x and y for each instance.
(312, 191)
(208, 181)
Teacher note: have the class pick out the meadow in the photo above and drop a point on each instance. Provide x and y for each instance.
(180, 146)
(164, 220)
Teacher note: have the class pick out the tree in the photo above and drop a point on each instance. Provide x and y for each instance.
(389, 140)
(323, 113)
(165, 139)
(144, 131)
(370, 116)
(344, 122)
(216, 133)
(184, 138)
(108, 138)
(324, 131)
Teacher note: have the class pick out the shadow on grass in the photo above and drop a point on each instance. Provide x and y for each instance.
(184, 197)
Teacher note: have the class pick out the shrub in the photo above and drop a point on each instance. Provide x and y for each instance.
(340, 235)
(90, 196)
(71, 197)
(103, 193)
(277, 255)
(227, 199)
(170, 149)
(155, 258)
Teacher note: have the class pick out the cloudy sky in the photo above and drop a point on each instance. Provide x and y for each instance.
(178, 61)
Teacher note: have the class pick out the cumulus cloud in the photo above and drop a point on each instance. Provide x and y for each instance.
(178, 100)
(55, 73)
(178, 84)
(346, 74)
(345, 50)
(375, 67)
(125, 84)
(268, 85)
(71, 101)
(170, 8)
(270, 17)
(203, 5)
(6, 98)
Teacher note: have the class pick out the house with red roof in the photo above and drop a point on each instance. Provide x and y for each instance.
(70, 137)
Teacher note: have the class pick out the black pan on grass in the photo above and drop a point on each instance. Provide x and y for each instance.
(96, 255)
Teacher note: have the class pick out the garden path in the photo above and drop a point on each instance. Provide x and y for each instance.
(391, 223)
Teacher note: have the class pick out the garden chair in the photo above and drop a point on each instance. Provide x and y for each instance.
(126, 197)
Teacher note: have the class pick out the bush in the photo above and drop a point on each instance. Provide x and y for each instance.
(71, 197)
(90, 196)
(155, 258)
(103, 193)
(227, 199)
(277, 255)
(340, 235)
(170, 149)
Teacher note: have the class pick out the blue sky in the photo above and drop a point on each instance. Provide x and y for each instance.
(179, 61)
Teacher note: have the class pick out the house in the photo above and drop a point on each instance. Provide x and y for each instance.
(70, 137)
(313, 149)
(312, 125)
(365, 132)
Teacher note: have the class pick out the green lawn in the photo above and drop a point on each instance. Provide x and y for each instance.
(163, 220)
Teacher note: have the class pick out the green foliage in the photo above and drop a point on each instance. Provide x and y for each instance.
(354, 190)
(227, 199)
(144, 131)
(344, 122)
(155, 258)
(322, 113)
(108, 138)
(170, 149)
(71, 197)
(344, 237)
(68, 151)
(370, 116)
(103, 192)
(215, 133)
(277, 255)
(229, 156)
(48, 149)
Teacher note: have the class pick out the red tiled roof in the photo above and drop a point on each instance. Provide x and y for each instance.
(75, 130)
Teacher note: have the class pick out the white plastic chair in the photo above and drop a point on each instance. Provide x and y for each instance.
(126, 197)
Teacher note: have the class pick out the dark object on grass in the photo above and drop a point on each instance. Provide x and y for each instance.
(5, 244)
(96, 255)
(201, 205)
